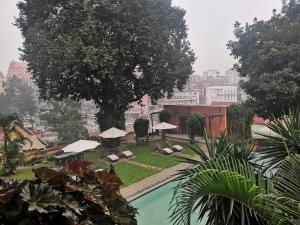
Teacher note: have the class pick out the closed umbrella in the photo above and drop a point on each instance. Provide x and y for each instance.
(81, 146)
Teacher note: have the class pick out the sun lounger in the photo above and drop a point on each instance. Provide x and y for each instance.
(127, 154)
(166, 151)
(177, 148)
(113, 158)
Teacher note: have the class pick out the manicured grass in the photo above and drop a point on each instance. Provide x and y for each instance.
(25, 173)
(128, 172)
(94, 157)
(131, 174)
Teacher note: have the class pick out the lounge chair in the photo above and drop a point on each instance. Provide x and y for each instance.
(127, 154)
(175, 148)
(167, 151)
(113, 158)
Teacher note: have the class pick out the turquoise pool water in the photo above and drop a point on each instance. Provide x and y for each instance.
(153, 208)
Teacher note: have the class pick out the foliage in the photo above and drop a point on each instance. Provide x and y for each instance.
(239, 121)
(112, 52)
(141, 127)
(217, 208)
(165, 115)
(66, 120)
(239, 182)
(267, 54)
(196, 125)
(229, 187)
(284, 141)
(18, 98)
(11, 144)
(55, 198)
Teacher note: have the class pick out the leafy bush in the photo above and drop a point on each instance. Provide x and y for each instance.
(239, 121)
(57, 198)
(196, 125)
(165, 115)
(141, 127)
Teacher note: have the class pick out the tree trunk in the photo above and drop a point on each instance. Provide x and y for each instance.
(110, 116)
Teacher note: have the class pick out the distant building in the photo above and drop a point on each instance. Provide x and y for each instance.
(143, 110)
(19, 69)
(232, 76)
(2, 79)
(182, 98)
(211, 73)
(221, 94)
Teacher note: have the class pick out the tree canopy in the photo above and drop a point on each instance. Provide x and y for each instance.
(268, 55)
(112, 52)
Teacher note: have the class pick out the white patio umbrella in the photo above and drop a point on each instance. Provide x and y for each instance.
(164, 126)
(113, 133)
(81, 146)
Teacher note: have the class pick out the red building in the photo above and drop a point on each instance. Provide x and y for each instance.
(19, 69)
(215, 118)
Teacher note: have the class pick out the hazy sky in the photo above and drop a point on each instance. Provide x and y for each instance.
(210, 25)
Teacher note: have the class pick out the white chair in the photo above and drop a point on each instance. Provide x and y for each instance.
(113, 158)
(127, 154)
(167, 151)
(177, 148)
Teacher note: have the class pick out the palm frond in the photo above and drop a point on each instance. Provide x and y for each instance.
(285, 139)
(227, 178)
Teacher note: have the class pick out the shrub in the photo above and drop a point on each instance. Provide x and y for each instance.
(165, 115)
(196, 125)
(55, 198)
(239, 121)
(141, 127)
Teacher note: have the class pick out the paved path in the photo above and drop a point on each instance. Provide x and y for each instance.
(154, 180)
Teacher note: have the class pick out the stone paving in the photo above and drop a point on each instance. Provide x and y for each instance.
(152, 181)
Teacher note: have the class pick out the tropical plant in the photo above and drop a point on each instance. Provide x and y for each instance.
(238, 182)
(284, 140)
(12, 143)
(229, 187)
(196, 125)
(165, 115)
(239, 121)
(216, 207)
(56, 198)
(141, 127)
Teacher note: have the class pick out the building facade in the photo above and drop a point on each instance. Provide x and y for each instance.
(213, 73)
(221, 94)
(182, 98)
(215, 118)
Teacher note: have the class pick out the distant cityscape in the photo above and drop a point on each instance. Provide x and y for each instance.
(211, 88)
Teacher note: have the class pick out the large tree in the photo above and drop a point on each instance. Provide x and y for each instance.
(268, 54)
(109, 51)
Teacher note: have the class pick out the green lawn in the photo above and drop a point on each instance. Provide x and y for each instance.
(25, 173)
(131, 174)
(128, 172)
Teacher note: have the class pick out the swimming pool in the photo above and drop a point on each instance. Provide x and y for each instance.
(153, 208)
